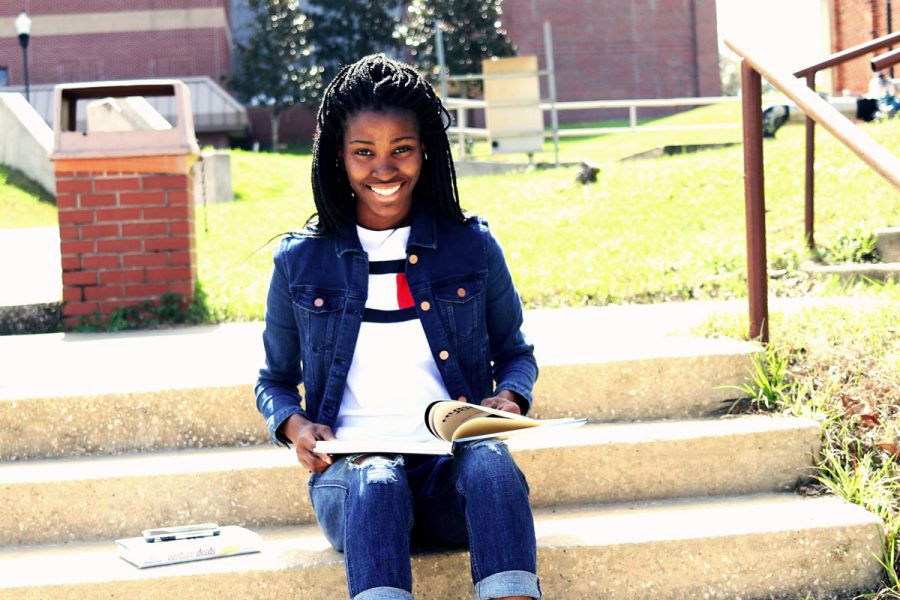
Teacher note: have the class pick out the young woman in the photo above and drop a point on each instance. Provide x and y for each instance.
(391, 299)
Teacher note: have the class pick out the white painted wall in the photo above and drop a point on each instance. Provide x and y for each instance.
(797, 31)
(26, 140)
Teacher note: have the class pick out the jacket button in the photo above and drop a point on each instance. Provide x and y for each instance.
(413, 259)
(426, 305)
(463, 399)
(319, 302)
(461, 292)
(444, 355)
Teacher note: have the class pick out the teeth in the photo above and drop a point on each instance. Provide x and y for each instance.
(383, 191)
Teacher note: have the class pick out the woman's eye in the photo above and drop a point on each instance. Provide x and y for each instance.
(402, 149)
(363, 152)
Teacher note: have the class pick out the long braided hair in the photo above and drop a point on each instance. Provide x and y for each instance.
(379, 83)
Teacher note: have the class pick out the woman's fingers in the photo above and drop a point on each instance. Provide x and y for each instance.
(306, 441)
(502, 404)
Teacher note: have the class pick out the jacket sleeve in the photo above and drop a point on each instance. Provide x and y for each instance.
(277, 396)
(512, 356)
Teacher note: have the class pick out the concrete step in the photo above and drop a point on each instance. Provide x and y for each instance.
(192, 387)
(762, 546)
(853, 272)
(107, 497)
(888, 243)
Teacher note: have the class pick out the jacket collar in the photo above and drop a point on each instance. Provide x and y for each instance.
(422, 233)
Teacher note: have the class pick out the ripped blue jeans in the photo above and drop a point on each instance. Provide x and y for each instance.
(375, 508)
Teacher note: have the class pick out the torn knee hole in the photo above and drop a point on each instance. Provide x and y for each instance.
(378, 468)
(492, 444)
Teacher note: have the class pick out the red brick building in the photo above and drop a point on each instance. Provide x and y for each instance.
(604, 49)
(102, 40)
(87, 40)
(854, 22)
(622, 49)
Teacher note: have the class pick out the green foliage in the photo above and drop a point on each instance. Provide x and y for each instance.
(343, 32)
(860, 477)
(172, 309)
(854, 246)
(769, 381)
(473, 31)
(275, 68)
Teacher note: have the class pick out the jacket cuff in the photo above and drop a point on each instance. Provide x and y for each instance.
(524, 395)
(275, 422)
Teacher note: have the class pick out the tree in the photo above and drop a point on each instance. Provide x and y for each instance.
(343, 32)
(275, 68)
(472, 30)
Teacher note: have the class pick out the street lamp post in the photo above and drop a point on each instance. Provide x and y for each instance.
(23, 28)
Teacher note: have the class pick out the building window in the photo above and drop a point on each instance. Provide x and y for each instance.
(4, 76)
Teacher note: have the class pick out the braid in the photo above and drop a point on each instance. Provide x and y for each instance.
(379, 83)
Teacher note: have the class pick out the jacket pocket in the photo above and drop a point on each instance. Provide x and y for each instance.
(461, 303)
(318, 313)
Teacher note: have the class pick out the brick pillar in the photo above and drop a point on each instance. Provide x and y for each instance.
(126, 233)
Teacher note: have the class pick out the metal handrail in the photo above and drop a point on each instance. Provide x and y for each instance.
(850, 53)
(816, 108)
(809, 73)
(883, 61)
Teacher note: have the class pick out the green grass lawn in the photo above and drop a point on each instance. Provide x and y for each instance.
(23, 203)
(648, 230)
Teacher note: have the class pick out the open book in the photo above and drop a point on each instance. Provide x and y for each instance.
(450, 422)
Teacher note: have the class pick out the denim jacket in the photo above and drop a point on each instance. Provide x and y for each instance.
(318, 295)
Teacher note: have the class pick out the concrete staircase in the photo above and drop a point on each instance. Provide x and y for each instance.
(102, 436)
(888, 246)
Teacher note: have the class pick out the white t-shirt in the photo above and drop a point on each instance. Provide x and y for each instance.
(393, 377)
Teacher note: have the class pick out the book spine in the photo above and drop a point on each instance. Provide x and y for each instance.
(180, 555)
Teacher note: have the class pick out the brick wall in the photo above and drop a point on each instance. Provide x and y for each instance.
(13, 7)
(855, 22)
(74, 58)
(155, 51)
(125, 238)
(610, 49)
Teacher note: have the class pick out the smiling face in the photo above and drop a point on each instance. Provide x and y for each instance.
(382, 154)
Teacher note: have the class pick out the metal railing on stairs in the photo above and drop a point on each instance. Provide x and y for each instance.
(753, 68)
(809, 73)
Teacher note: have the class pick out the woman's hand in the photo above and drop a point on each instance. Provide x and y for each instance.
(304, 434)
(504, 400)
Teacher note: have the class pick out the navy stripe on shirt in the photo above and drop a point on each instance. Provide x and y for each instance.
(372, 315)
(386, 267)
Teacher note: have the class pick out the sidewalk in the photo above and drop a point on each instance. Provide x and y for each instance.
(35, 275)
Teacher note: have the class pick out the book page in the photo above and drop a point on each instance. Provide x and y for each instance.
(481, 426)
(445, 417)
(381, 446)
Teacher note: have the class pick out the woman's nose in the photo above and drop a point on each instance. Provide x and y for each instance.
(384, 169)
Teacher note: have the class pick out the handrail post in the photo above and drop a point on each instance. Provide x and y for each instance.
(755, 203)
(810, 171)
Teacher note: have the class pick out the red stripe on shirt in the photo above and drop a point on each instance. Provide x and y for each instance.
(404, 297)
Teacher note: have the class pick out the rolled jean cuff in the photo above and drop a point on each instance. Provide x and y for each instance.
(383, 593)
(508, 583)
